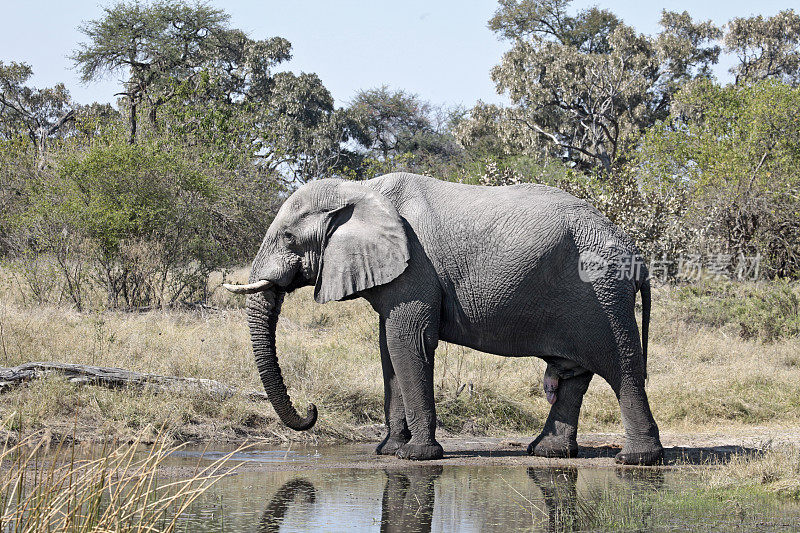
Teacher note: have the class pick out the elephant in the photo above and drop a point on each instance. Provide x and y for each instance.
(521, 270)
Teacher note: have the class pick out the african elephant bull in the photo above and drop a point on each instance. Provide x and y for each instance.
(525, 270)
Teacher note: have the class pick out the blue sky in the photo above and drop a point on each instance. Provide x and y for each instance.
(439, 50)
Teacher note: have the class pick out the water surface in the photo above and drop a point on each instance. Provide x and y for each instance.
(313, 489)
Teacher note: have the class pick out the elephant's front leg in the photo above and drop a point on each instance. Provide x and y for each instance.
(411, 338)
(398, 432)
(558, 437)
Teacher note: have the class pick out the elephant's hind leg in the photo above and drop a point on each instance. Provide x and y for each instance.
(398, 432)
(642, 442)
(558, 437)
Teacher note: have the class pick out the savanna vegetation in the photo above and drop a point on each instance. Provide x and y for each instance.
(118, 223)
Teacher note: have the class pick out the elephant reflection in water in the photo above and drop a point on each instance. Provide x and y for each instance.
(273, 515)
(407, 504)
(408, 499)
(566, 511)
(560, 493)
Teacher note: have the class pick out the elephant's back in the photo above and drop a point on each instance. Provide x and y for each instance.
(477, 201)
(503, 252)
(493, 223)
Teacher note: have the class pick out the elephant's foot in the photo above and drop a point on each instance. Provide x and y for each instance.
(420, 452)
(641, 454)
(553, 446)
(391, 444)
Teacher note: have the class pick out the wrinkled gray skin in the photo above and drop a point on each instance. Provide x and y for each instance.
(491, 268)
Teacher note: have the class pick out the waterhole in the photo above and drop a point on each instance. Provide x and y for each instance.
(341, 488)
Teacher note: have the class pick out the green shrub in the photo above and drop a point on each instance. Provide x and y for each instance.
(767, 310)
(144, 223)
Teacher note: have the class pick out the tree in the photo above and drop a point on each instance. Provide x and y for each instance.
(299, 131)
(218, 85)
(387, 119)
(588, 31)
(156, 44)
(584, 87)
(399, 132)
(765, 47)
(37, 114)
(287, 123)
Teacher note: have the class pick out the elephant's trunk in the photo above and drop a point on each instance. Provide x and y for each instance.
(263, 309)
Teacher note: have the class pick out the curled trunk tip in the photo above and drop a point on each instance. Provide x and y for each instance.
(310, 419)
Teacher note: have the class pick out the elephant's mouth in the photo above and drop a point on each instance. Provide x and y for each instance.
(297, 282)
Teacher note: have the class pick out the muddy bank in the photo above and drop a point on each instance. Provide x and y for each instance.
(596, 446)
(597, 450)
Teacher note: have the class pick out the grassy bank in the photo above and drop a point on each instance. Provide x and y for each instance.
(704, 374)
(731, 497)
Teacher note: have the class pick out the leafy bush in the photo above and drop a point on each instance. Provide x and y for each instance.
(651, 216)
(146, 222)
(734, 151)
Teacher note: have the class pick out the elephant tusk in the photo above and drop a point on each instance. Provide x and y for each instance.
(250, 288)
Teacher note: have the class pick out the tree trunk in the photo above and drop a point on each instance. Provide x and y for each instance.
(153, 115)
(114, 378)
(132, 136)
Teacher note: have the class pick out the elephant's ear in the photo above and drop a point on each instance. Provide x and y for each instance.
(366, 245)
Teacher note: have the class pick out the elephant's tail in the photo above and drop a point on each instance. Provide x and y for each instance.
(645, 290)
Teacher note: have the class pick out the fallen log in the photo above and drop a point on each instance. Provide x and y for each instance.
(116, 378)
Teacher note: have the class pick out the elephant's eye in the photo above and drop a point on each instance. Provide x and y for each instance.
(289, 236)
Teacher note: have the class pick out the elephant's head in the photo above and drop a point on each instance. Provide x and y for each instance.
(340, 236)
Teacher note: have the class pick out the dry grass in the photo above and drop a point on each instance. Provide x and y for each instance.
(775, 469)
(700, 378)
(116, 489)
